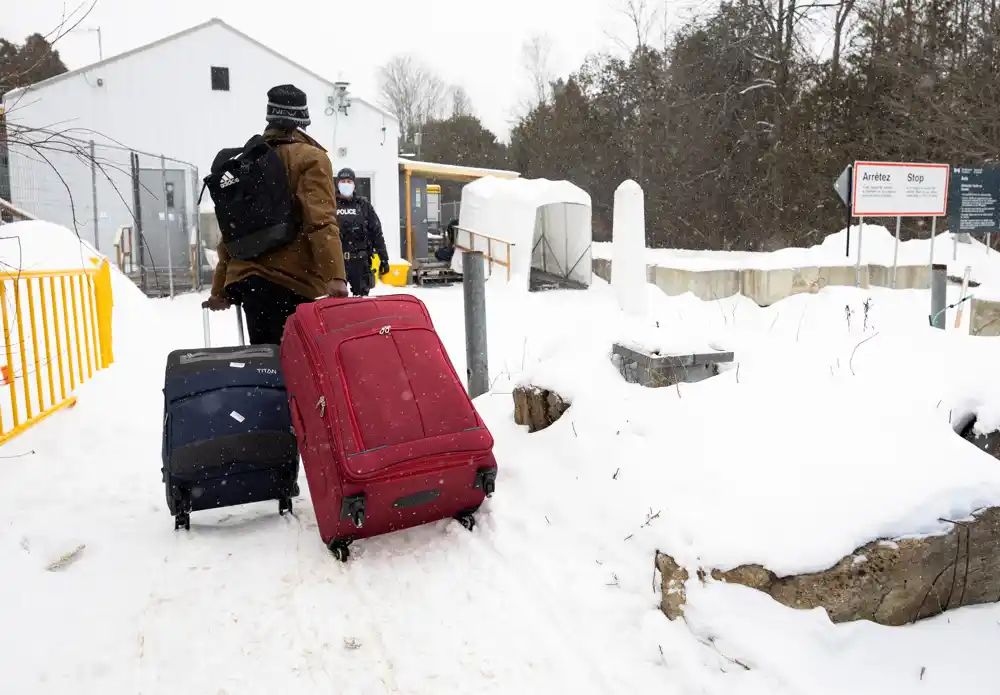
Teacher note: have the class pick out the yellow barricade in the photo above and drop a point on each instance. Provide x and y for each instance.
(57, 333)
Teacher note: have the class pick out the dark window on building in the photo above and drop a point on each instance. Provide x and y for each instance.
(363, 187)
(220, 79)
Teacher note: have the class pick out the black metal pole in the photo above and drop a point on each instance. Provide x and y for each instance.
(850, 202)
(137, 218)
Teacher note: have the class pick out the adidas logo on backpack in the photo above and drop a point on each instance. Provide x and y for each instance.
(253, 201)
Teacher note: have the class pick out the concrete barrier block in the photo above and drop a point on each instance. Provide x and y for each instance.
(913, 277)
(765, 287)
(707, 285)
(984, 319)
(768, 286)
(841, 276)
(807, 280)
(879, 276)
(712, 285)
(602, 268)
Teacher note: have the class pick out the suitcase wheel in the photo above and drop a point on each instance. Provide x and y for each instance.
(353, 508)
(340, 549)
(466, 519)
(486, 480)
(181, 509)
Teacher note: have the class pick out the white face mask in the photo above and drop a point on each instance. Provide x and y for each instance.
(346, 189)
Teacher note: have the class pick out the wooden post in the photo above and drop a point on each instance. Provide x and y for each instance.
(409, 219)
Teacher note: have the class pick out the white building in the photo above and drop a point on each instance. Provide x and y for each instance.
(186, 97)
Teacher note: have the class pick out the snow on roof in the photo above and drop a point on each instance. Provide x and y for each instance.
(432, 168)
(166, 39)
(536, 192)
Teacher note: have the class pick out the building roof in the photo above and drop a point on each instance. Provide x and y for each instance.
(180, 34)
(453, 172)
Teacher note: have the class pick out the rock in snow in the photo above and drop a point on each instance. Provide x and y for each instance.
(888, 583)
(537, 408)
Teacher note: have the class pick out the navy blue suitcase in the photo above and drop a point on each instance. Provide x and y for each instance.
(227, 430)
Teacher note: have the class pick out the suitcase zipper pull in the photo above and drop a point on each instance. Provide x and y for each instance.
(384, 330)
(321, 406)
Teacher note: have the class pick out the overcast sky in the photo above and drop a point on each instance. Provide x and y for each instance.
(473, 43)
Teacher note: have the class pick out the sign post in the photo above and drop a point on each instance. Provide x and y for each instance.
(895, 252)
(843, 188)
(899, 189)
(857, 264)
(930, 265)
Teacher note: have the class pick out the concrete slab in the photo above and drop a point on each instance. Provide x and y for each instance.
(656, 370)
(984, 319)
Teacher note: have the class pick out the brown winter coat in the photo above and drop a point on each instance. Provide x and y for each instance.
(316, 257)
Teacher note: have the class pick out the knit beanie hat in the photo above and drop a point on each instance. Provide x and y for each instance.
(286, 106)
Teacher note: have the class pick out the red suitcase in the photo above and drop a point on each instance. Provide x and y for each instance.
(388, 435)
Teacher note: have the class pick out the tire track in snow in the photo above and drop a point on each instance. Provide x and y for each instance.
(473, 626)
(326, 574)
(526, 582)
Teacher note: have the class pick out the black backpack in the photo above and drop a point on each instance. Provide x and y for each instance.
(253, 199)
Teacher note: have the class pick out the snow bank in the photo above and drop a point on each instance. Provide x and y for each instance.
(36, 246)
(828, 431)
(508, 209)
(41, 246)
(877, 244)
(828, 454)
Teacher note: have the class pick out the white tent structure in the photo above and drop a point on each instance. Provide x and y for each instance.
(528, 228)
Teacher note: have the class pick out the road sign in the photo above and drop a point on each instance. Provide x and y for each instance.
(974, 200)
(843, 185)
(899, 189)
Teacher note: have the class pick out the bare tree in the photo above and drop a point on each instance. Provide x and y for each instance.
(413, 92)
(844, 10)
(642, 17)
(461, 104)
(536, 59)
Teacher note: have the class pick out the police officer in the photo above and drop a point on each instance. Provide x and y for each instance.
(360, 234)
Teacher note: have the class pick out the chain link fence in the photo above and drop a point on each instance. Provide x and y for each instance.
(139, 209)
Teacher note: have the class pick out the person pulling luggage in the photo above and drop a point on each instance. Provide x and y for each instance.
(274, 198)
(361, 233)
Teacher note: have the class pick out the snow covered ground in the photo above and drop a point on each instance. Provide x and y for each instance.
(829, 430)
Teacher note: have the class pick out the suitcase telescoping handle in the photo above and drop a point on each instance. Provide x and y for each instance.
(206, 326)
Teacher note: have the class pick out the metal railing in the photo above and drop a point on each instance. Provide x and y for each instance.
(97, 186)
(57, 334)
(487, 249)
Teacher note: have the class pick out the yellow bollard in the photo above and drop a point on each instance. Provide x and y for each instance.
(105, 305)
